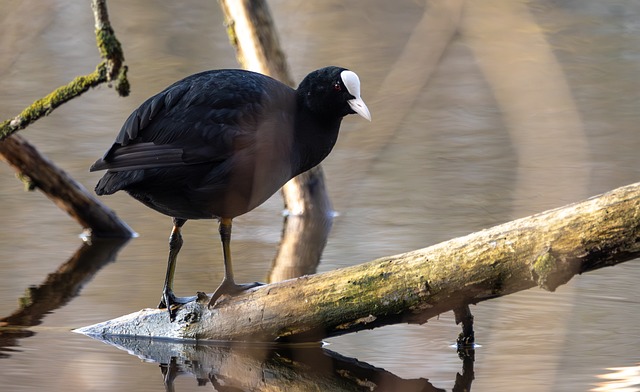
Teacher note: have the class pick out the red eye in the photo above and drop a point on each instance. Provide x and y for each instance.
(337, 87)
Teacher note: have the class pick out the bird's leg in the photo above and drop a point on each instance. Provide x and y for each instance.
(228, 285)
(175, 243)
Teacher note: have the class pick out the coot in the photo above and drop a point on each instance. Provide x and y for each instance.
(217, 144)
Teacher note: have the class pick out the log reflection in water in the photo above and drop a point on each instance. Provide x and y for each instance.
(273, 367)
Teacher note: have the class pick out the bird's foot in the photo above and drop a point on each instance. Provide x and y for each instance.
(172, 303)
(230, 288)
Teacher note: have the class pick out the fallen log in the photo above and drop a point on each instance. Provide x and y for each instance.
(544, 250)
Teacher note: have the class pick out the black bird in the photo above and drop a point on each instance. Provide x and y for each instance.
(217, 144)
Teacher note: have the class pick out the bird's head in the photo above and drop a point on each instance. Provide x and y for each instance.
(333, 91)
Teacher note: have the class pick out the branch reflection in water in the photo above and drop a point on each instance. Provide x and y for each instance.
(304, 237)
(58, 289)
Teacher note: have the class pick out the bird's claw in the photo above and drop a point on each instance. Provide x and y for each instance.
(173, 303)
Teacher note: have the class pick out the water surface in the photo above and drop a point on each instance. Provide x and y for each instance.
(483, 112)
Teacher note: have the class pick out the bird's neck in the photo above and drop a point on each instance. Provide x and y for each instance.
(314, 139)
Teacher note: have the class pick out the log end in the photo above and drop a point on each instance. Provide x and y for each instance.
(151, 323)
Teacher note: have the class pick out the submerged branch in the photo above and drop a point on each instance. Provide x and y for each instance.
(544, 250)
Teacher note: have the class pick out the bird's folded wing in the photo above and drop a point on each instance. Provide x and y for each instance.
(194, 150)
(141, 156)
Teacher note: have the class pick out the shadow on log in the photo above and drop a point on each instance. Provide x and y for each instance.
(544, 250)
(261, 367)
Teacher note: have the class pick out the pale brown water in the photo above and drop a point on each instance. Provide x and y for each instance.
(531, 105)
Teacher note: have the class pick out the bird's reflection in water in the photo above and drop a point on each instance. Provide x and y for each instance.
(273, 367)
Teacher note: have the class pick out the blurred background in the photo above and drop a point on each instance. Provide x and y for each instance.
(483, 112)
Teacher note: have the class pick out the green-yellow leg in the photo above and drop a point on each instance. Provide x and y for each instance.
(228, 285)
(169, 300)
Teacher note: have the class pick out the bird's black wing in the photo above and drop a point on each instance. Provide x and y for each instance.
(203, 118)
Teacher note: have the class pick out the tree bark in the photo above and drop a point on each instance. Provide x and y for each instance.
(544, 250)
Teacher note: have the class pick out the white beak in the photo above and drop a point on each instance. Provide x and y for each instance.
(352, 82)
(358, 106)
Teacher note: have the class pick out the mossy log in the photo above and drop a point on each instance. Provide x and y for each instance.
(544, 250)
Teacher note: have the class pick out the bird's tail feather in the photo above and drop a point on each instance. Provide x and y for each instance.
(112, 182)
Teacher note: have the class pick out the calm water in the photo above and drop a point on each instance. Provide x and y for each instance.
(484, 111)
